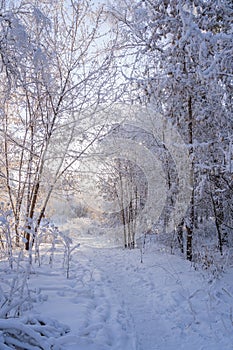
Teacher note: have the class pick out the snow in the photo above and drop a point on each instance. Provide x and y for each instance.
(113, 301)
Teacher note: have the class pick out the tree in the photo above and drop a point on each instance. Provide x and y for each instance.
(54, 73)
(179, 53)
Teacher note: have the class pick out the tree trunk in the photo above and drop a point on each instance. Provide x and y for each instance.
(180, 237)
(218, 217)
(191, 216)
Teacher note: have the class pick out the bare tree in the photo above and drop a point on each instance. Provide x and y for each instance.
(55, 70)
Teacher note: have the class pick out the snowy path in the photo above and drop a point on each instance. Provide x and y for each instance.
(86, 304)
(150, 299)
(112, 301)
(169, 304)
(139, 296)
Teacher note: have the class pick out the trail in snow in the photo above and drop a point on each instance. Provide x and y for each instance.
(171, 305)
(86, 304)
(113, 301)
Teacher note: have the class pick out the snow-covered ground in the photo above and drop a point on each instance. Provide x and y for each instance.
(113, 301)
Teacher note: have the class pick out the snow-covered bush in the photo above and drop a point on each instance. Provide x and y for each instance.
(69, 248)
(20, 327)
(51, 238)
(210, 262)
(30, 333)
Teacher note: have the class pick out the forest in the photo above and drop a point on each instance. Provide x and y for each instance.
(119, 114)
